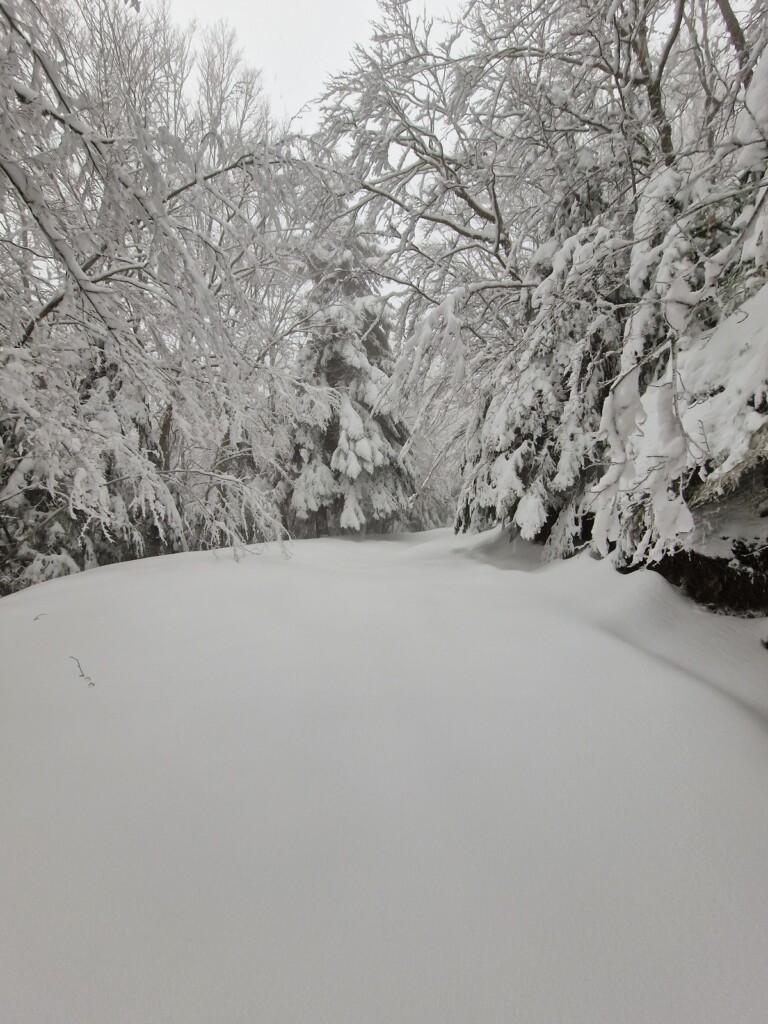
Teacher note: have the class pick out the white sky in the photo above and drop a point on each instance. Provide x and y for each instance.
(295, 43)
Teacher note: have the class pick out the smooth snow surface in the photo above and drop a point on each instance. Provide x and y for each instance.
(381, 782)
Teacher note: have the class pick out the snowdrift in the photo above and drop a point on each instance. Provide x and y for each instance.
(418, 781)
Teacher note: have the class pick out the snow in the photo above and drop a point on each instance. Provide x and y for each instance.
(705, 414)
(752, 122)
(411, 781)
(654, 216)
(725, 376)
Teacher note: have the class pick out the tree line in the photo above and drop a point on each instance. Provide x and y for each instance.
(193, 345)
(519, 268)
(573, 201)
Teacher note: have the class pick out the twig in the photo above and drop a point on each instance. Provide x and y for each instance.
(82, 674)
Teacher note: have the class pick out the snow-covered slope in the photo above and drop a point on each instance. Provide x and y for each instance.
(381, 782)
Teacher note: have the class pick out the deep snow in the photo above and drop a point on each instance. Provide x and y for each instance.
(416, 781)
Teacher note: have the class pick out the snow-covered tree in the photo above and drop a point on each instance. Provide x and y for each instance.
(141, 408)
(558, 187)
(687, 419)
(351, 470)
(536, 233)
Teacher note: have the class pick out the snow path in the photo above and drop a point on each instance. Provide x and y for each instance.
(380, 782)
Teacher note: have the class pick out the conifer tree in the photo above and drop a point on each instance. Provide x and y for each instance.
(350, 469)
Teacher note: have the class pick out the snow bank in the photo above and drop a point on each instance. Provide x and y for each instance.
(390, 782)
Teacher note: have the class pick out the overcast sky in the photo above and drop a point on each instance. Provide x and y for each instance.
(295, 43)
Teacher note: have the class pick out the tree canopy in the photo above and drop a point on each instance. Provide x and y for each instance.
(521, 265)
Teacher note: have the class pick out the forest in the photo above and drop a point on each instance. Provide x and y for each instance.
(370, 481)
(517, 275)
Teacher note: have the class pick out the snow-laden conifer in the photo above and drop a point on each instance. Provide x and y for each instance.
(350, 469)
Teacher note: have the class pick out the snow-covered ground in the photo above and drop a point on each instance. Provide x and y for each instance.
(417, 781)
